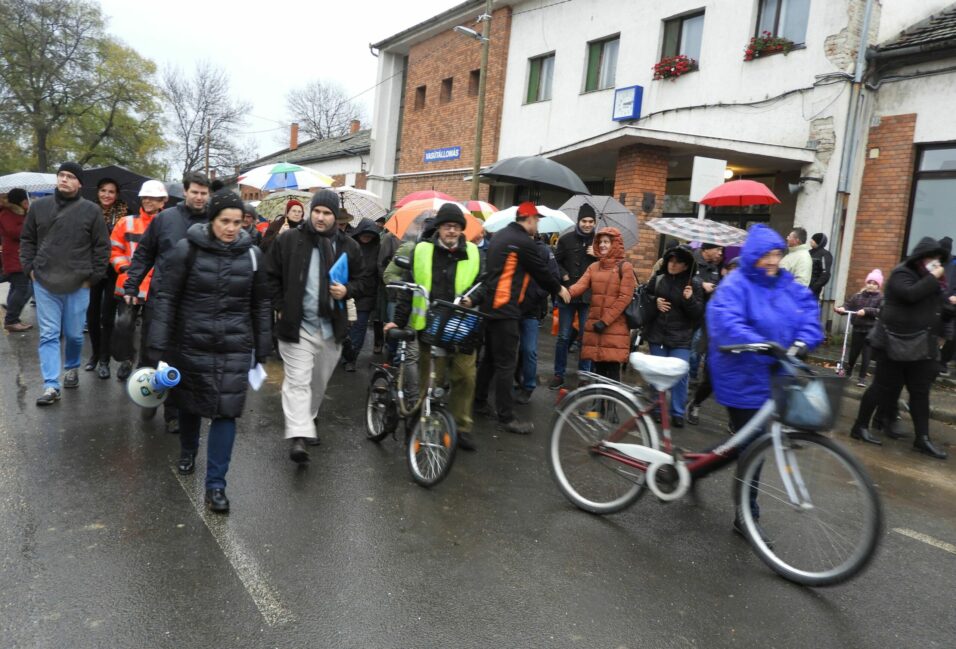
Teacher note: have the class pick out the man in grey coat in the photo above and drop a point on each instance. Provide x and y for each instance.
(64, 249)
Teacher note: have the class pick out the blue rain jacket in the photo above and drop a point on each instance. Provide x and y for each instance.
(749, 306)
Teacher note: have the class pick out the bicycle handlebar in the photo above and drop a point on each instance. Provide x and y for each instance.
(409, 286)
(769, 348)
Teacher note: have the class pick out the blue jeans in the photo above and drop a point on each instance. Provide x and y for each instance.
(60, 314)
(565, 318)
(528, 354)
(679, 391)
(222, 436)
(356, 337)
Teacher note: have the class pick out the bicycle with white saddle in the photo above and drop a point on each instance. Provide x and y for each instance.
(807, 507)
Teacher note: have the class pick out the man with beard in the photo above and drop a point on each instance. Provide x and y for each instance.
(312, 323)
(574, 253)
(64, 249)
(155, 248)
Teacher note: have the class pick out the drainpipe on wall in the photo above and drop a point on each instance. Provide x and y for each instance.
(851, 142)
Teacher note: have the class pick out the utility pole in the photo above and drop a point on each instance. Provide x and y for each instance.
(485, 19)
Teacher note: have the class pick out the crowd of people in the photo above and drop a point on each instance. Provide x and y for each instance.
(213, 297)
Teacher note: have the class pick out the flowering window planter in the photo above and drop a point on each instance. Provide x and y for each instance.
(671, 67)
(765, 45)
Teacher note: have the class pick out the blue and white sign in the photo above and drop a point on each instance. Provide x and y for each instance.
(440, 155)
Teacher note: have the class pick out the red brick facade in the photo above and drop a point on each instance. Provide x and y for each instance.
(642, 169)
(447, 122)
(884, 199)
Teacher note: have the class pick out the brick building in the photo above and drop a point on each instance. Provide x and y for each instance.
(431, 76)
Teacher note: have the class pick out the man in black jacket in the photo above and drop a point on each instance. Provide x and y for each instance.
(366, 233)
(153, 252)
(64, 249)
(574, 253)
(513, 260)
(312, 322)
(822, 263)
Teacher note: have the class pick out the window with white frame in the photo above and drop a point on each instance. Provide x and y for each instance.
(602, 64)
(682, 35)
(784, 18)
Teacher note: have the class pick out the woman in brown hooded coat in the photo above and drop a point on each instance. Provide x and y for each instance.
(607, 340)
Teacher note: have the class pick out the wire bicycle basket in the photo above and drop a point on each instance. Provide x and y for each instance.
(808, 402)
(452, 327)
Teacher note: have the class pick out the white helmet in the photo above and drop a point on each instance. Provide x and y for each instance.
(154, 189)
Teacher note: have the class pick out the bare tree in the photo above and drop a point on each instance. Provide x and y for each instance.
(322, 109)
(203, 118)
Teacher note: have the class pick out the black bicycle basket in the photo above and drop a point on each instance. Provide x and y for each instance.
(808, 402)
(452, 327)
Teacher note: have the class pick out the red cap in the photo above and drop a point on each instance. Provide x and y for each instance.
(292, 202)
(527, 209)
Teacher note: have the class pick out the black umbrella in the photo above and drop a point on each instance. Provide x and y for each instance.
(535, 170)
(129, 183)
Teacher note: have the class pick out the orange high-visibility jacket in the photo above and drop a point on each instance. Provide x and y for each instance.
(123, 241)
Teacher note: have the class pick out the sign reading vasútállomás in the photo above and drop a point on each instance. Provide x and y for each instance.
(440, 155)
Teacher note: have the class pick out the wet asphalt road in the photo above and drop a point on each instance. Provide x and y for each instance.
(103, 545)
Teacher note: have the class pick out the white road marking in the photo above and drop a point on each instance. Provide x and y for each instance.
(928, 540)
(247, 568)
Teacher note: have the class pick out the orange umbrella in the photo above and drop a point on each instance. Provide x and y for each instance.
(407, 221)
(481, 209)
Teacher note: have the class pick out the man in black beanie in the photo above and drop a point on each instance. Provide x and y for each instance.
(574, 253)
(64, 249)
(312, 322)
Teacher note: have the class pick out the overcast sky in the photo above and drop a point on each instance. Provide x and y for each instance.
(269, 47)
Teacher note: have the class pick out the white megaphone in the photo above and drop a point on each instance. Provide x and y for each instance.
(148, 387)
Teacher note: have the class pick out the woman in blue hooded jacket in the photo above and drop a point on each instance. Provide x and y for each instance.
(757, 303)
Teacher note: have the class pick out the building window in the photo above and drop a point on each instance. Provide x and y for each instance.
(934, 194)
(474, 81)
(540, 74)
(419, 97)
(784, 18)
(445, 95)
(602, 64)
(682, 35)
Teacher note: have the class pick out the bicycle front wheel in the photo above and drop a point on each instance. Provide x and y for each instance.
(431, 447)
(595, 482)
(831, 533)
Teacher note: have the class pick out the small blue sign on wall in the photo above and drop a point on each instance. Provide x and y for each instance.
(440, 155)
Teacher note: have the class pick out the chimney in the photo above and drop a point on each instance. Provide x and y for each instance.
(294, 137)
(355, 126)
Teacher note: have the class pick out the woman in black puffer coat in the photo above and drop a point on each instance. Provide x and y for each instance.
(914, 307)
(212, 319)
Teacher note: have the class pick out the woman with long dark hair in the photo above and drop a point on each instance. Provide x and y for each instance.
(102, 310)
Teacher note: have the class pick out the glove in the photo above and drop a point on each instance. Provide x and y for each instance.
(599, 327)
(798, 350)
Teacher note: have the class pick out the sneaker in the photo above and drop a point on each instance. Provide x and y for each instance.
(71, 379)
(49, 396)
(18, 327)
(103, 369)
(517, 427)
(861, 383)
(693, 415)
(556, 382)
(124, 370)
(187, 462)
(349, 366)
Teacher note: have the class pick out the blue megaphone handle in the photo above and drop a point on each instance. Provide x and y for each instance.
(165, 377)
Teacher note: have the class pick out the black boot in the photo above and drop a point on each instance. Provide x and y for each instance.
(863, 434)
(923, 445)
(895, 430)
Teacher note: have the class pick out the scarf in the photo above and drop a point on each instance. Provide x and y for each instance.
(327, 243)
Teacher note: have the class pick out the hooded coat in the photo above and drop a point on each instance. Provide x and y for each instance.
(751, 306)
(369, 260)
(822, 263)
(212, 317)
(11, 225)
(914, 299)
(675, 328)
(611, 281)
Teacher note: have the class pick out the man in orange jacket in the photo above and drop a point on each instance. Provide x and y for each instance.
(125, 237)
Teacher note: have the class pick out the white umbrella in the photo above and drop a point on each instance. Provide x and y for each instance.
(28, 181)
(550, 221)
(361, 203)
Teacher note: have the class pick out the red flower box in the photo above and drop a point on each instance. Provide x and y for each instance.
(766, 44)
(671, 67)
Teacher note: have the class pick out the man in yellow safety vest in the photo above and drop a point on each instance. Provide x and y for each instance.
(448, 267)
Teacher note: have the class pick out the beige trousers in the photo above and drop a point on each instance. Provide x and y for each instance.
(308, 365)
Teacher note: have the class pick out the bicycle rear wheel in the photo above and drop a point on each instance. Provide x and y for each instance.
(380, 415)
(593, 482)
(431, 447)
(829, 539)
